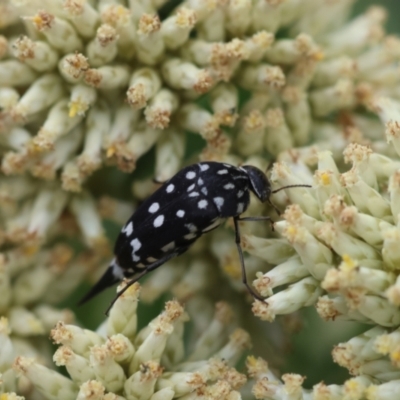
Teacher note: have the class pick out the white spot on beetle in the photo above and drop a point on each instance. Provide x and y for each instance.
(204, 167)
(170, 188)
(194, 194)
(191, 187)
(151, 259)
(158, 221)
(180, 213)
(136, 245)
(191, 227)
(190, 236)
(229, 186)
(222, 172)
(202, 204)
(128, 228)
(200, 181)
(204, 191)
(190, 175)
(168, 247)
(154, 208)
(117, 271)
(219, 202)
(240, 193)
(240, 208)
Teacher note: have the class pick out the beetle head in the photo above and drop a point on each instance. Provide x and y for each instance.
(259, 182)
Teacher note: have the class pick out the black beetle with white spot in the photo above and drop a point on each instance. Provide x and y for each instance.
(195, 201)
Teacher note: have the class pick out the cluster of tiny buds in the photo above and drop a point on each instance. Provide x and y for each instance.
(148, 363)
(81, 131)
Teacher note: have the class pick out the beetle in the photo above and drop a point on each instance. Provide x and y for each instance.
(196, 200)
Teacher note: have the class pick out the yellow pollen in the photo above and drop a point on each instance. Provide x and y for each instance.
(325, 179)
(319, 55)
(251, 361)
(232, 270)
(37, 20)
(30, 250)
(73, 109)
(34, 148)
(395, 355)
(111, 151)
(347, 262)
(351, 384)
(76, 107)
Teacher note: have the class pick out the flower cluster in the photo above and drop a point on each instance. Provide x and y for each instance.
(120, 362)
(338, 251)
(86, 85)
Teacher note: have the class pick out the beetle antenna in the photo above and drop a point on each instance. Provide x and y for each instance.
(288, 187)
(279, 189)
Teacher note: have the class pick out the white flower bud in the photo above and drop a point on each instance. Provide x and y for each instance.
(77, 366)
(82, 97)
(91, 390)
(78, 339)
(107, 371)
(169, 154)
(60, 34)
(277, 137)
(267, 15)
(142, 383)
(57, 124)
(384, 391)
(49, 383)
(16, 73)
(365, 197)
(103, 48)
(300, 294)
(143, 85)
(183, 75)
(88, 219)
(123, 20)
(108, 76)
(357, 34)
(238, 14)
(7, 352)
(215, 334)
(149, 40)
(175, 30)
(297, 114)
(123, 318)
(153, 345)
(158, 112)
(83, 16)
(285, 273)
(37, 54)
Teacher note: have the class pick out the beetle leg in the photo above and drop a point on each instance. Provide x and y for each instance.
(241, 258)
